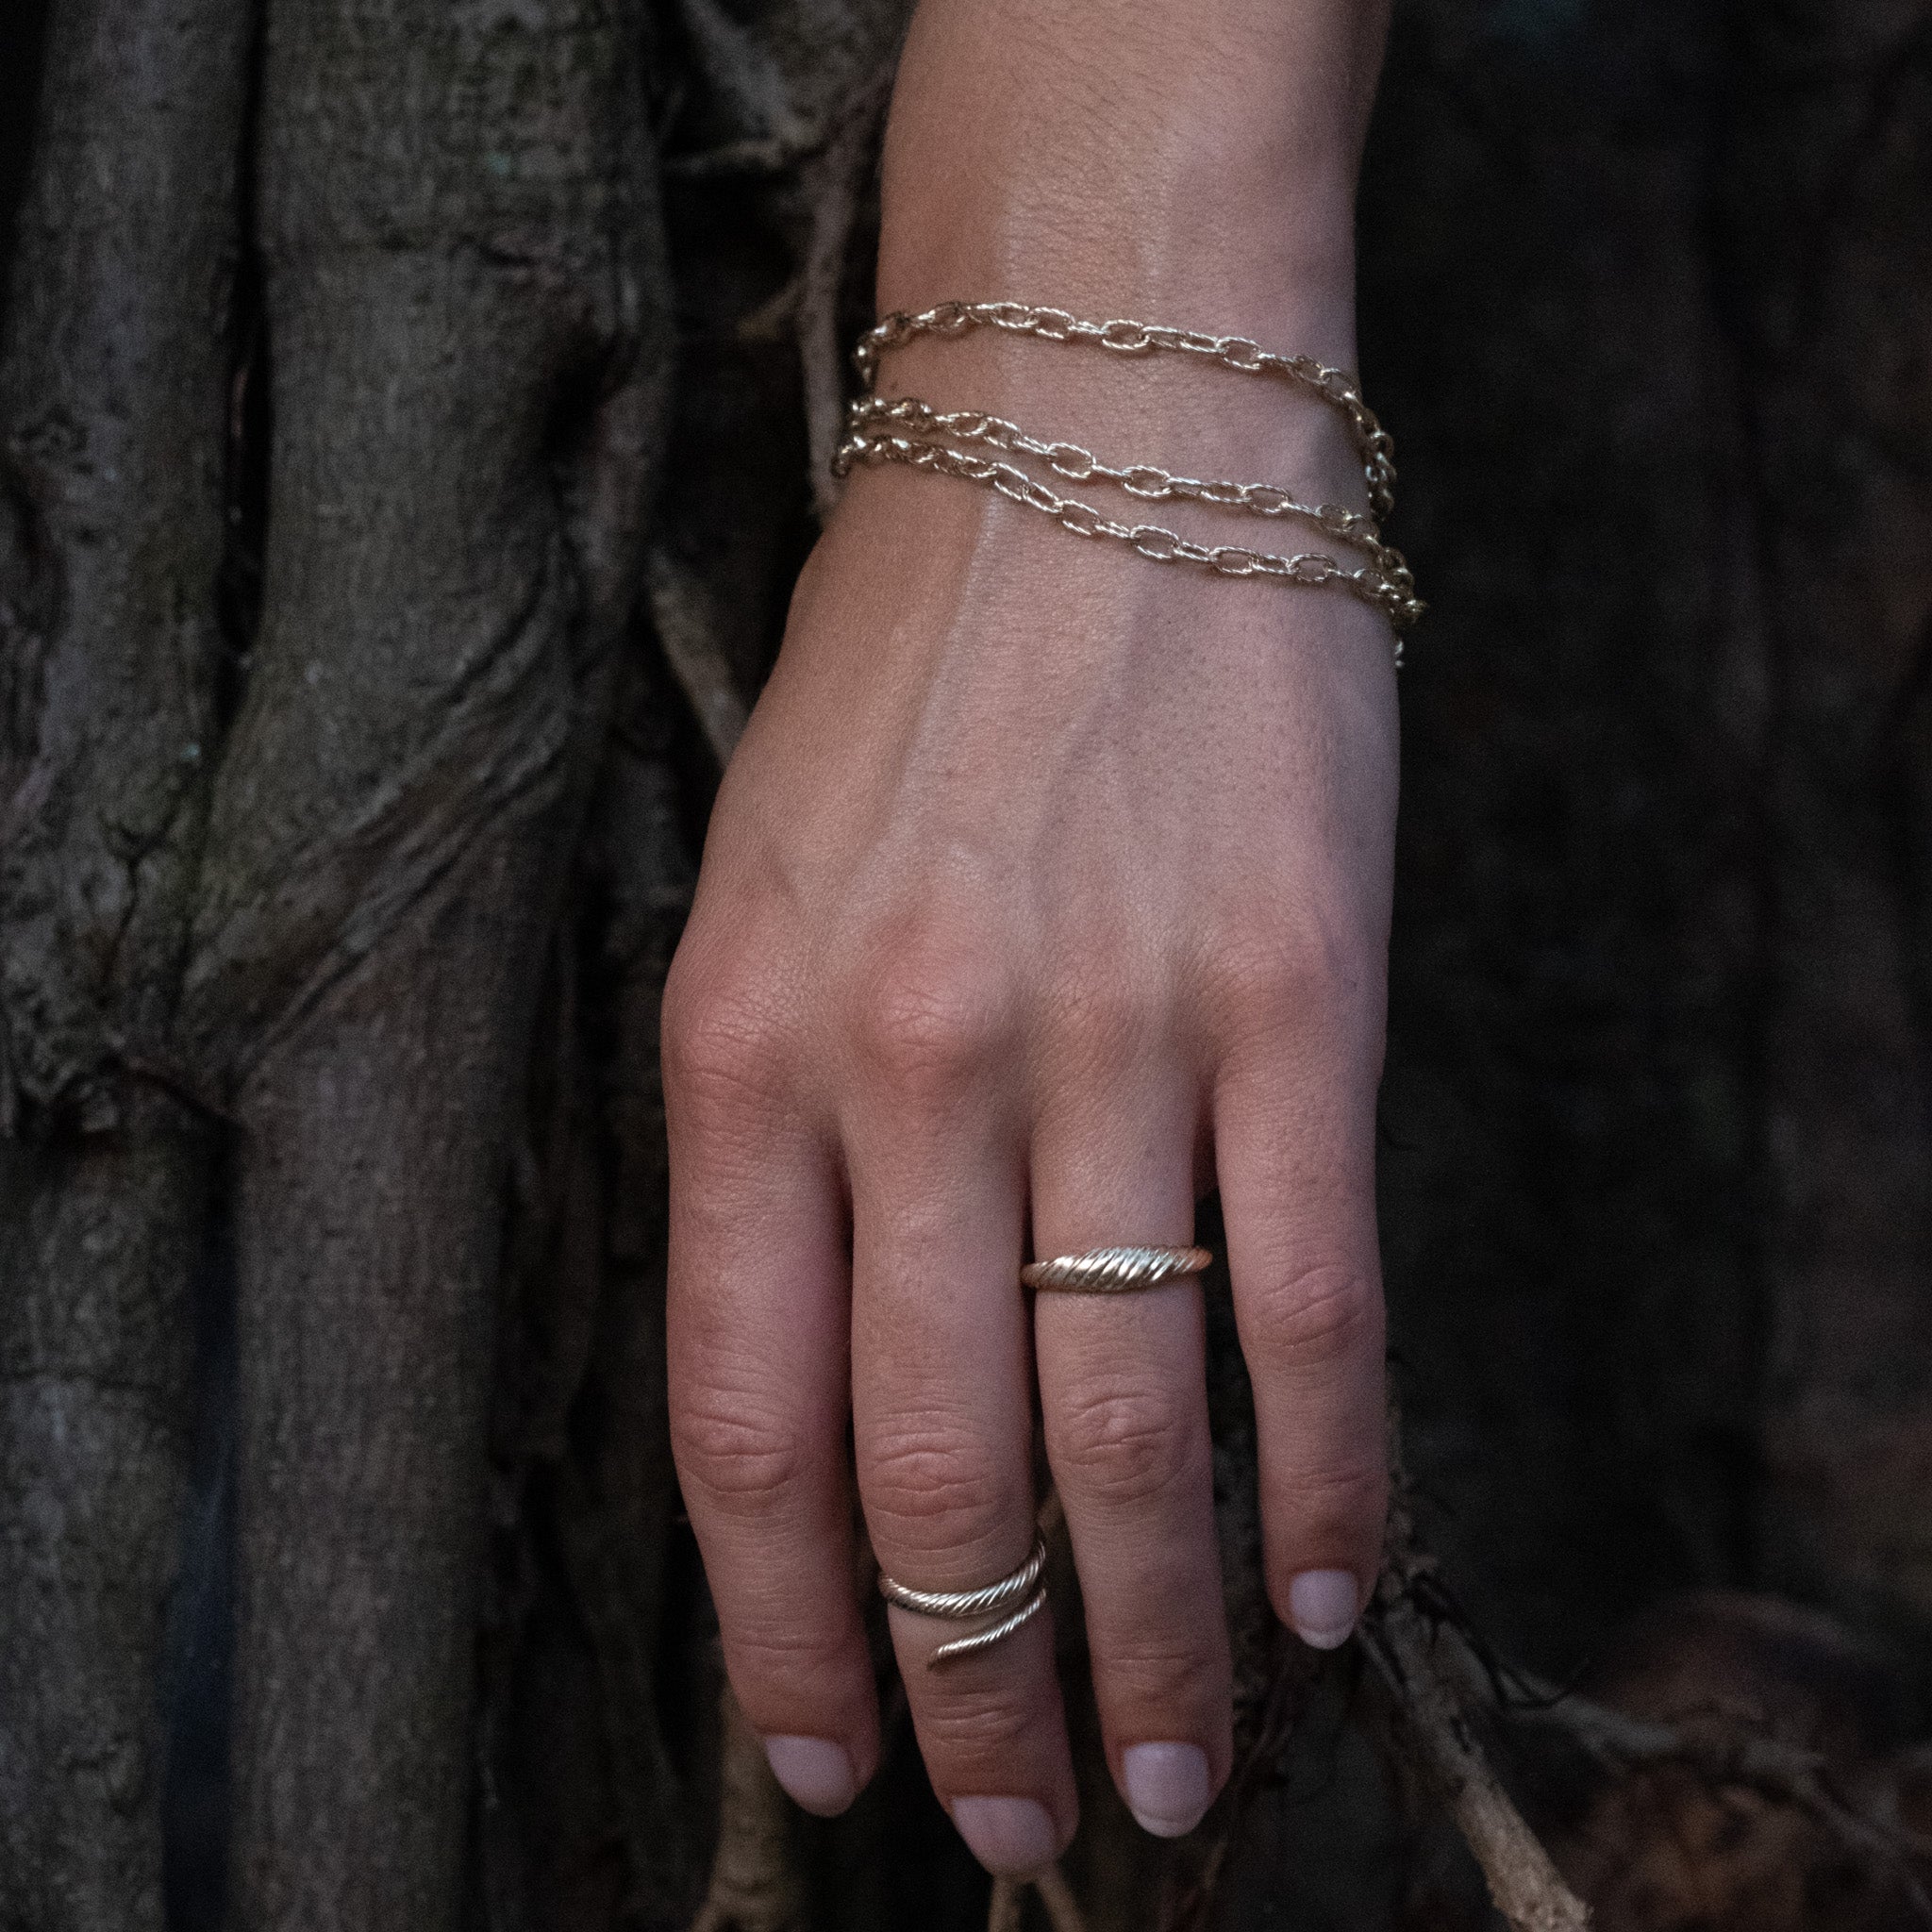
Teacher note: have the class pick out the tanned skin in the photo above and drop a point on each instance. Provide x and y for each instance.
(1048, 890)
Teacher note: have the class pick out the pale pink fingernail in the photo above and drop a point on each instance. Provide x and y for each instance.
(816, 1773)
(1012, 1837)
(1322, 1605)
(1167, 1786)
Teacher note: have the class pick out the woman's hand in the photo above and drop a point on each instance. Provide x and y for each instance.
(1048, 888)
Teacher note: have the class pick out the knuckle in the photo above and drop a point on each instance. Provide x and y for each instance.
(738, 1453)
(1333, 1513)
(1344, 1495)
(725, 1038)
(1168, 1677)
(937, 1489)
(1126, 1445)
(929, 1018)
(1317, 1318)
(1279, 977)
(790, 1671)
(978, 1727)
(803, 1654)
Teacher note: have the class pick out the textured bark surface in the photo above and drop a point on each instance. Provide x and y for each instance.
(458, 229)
(601, 1684)
(113, 410)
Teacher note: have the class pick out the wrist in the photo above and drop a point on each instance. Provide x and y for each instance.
(1193, 167)
(1196, 167)
(1186, 415)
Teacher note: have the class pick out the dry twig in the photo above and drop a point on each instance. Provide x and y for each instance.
(756, 1885)
(689, 631)
(1436, 1715)
(1007, 1910)
(1436, 1723)
(1063, 1909)
(1440, 1682)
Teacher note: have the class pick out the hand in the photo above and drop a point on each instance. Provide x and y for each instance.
(1048, 885)
(1049, 888)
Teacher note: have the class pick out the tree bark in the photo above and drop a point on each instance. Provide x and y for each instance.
(113, 406)
(458, 226)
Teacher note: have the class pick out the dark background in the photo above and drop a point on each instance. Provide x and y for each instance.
(1647, 302)
(1645, 290)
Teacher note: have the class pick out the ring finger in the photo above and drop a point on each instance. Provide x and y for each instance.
(1122, 1384)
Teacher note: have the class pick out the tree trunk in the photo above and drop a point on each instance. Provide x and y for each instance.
(113, 406)
(459, 228)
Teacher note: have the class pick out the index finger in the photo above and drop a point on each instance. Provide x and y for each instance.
(757, 1328)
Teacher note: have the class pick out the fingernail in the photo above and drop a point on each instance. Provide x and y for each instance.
(1322, 1605)
(1010, 1835)
(1168, 1787)
(816, 1773)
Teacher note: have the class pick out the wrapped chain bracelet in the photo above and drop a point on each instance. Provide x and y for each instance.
(906, 430)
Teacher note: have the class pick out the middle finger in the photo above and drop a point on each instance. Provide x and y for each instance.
(943, 1424)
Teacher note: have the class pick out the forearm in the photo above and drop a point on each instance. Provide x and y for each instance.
(1194, 166)
(1133, 156)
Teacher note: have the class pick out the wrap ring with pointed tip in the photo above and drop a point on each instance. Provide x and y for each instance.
(1114, 1271)
(961, 1604)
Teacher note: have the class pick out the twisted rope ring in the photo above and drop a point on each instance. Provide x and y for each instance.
(959, 1605)
(1114, 1271)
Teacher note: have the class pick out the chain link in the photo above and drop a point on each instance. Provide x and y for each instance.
(1308, 568)
(1335, 387)
(922, 422)
(906, 430)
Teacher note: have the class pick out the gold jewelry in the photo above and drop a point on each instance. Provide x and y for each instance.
(1114, 1271)
(961, 1604)
(906, 430)
(1334, 387)
(1140, 479)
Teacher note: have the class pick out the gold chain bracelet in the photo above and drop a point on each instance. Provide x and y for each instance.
(906, 430)
(1333, 386)
(1389, 586)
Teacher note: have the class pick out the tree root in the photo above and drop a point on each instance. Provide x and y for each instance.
(1721, 1754)
(1434, 1721)
(1007, 1910)
(1433, 1724)
(689, 632)
(756, 1884)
